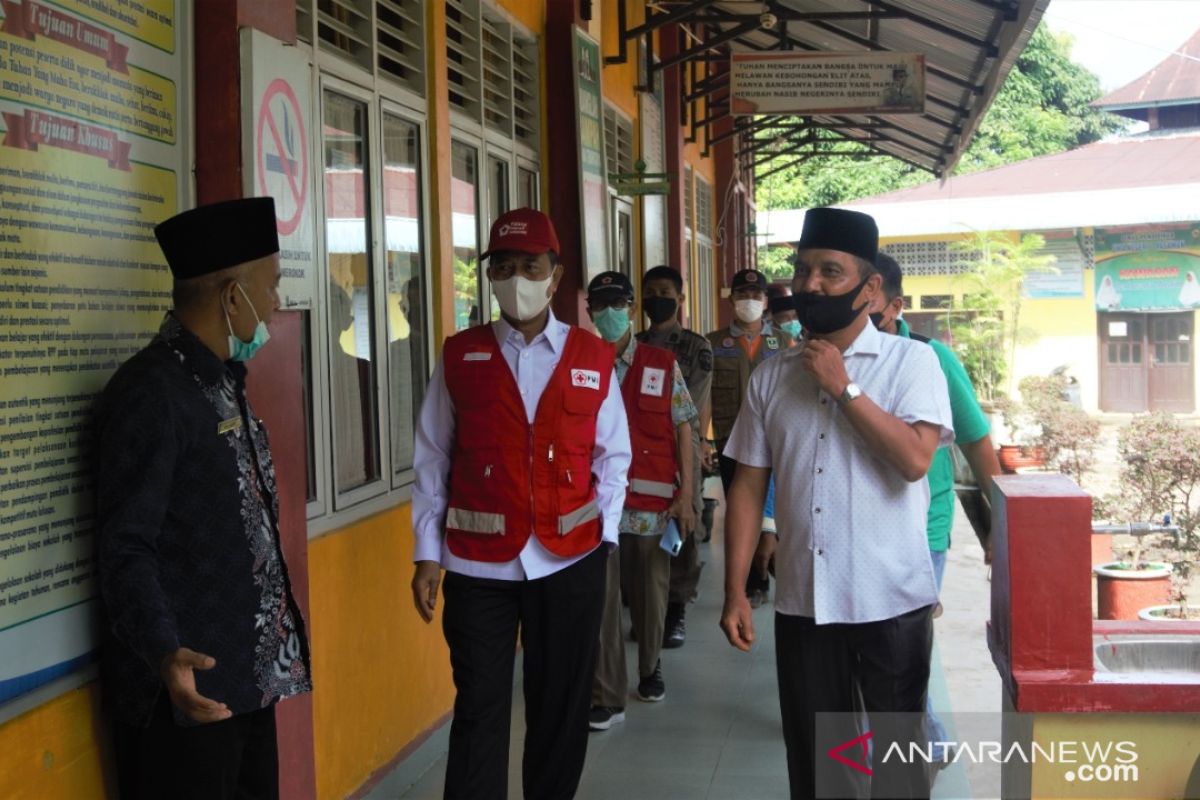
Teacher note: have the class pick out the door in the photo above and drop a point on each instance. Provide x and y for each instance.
(1123, 362)
(1146, 363)
(1172, 382)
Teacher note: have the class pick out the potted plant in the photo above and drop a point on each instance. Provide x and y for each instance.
(1161, 472)
(985, 322)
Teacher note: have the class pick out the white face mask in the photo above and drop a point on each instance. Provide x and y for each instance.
(520, 298)
(748, 311)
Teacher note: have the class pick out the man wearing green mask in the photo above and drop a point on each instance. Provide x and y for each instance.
(660, 413)
(205, 635)
(662, 297)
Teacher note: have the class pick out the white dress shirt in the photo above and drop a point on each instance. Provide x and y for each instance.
(532, 365)
(852, 545)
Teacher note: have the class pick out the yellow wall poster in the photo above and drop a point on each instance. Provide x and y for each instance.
(90, 161)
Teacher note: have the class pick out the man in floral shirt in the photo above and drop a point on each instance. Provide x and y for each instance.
(660, 489)
(205, 634)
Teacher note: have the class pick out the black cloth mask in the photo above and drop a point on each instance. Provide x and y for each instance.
(659, 309)
(877, 319)
(826, 313)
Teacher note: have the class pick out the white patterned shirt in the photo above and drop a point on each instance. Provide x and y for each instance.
(852, 545)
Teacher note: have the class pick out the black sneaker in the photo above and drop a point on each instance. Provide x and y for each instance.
(651, 688)
(601, 718)
(675, 631)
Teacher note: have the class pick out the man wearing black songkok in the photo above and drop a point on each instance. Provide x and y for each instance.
(204, 635)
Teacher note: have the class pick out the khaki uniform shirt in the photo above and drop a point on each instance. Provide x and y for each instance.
(732, 366)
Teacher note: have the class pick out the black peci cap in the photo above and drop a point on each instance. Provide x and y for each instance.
(609, 283)
(749, 277)
(850, 232)
(218, 236)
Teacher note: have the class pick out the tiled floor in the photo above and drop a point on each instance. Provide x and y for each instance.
(717, 734)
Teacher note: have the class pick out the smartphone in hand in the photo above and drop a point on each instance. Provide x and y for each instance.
(671, 540)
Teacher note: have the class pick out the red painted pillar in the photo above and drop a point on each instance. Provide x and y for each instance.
(1041, 573)
(275, 385)
(562, 156)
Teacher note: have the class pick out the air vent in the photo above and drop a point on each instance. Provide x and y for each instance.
(344, 26)
(618, 141)
(526, 117)
(462, 45)
(304, 20)
(399, 42)
(497, 76)
(704, 202)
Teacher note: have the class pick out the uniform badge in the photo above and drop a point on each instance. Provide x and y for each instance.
(728, 342)
(585, 379)
(705, 358)
(227, 425)
(653, 380)
(483, 356)
(772, 343)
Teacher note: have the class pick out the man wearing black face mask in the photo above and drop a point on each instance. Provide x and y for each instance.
(847, 423)
(662, 295)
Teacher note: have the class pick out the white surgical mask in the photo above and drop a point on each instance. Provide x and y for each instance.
(748, 311)
(520, 298)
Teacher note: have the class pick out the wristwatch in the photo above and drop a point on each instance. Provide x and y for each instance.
(849, 393)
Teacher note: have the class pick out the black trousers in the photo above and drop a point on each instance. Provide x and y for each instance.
(880, 667)
(754, 581)
(559, 621)
(235, 759)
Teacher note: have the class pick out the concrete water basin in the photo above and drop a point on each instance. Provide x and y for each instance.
(1161, 658)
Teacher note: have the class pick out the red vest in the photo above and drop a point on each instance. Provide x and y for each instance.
(510, 479)
(646, 390)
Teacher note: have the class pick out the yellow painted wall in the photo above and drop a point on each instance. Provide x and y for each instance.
(53, 751)
(530, 13)
(1058, 331)
(382, 675)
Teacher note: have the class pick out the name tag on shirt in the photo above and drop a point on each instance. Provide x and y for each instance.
(485, 356)
(653, 381)
(585, 379)
(725, 352)
(225, 426)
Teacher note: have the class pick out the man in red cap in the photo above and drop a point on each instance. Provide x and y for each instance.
(205, 635)
(522, 450)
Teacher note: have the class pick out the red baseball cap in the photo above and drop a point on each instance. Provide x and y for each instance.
(525, 230)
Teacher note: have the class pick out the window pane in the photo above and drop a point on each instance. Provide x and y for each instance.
(527, 189)
(1112, 352)
(498, 188)
(406, 313)
(464, 204)
(351, 324)
(1137, 354)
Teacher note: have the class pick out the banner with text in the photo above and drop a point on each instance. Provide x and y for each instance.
(1148, 267)
(827, 83)
(90, 161)
(593, 188)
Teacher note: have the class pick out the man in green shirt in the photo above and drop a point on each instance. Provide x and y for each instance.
(971, 428)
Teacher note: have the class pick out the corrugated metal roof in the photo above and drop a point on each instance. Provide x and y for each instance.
(1173, 81)
(969, 47)
(1151, 178)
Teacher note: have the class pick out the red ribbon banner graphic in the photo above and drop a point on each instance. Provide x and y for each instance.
(39, 128)
(31, 19)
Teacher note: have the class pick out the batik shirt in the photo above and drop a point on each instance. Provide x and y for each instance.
(188, 540)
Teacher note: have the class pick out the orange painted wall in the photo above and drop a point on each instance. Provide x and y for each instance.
(382, 675)
(530, 13)
(53, 752)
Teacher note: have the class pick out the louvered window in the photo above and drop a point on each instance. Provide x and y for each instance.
(304, 20)
(497, 76)
(462, 45)
(688, 201)
(704, 202)
(344, 26)
(399, 41)
(618, 142)
(525, 92)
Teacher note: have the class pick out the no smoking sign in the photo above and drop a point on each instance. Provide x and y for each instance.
(281, 154)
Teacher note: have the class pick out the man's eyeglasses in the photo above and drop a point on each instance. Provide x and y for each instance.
(619, 303)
